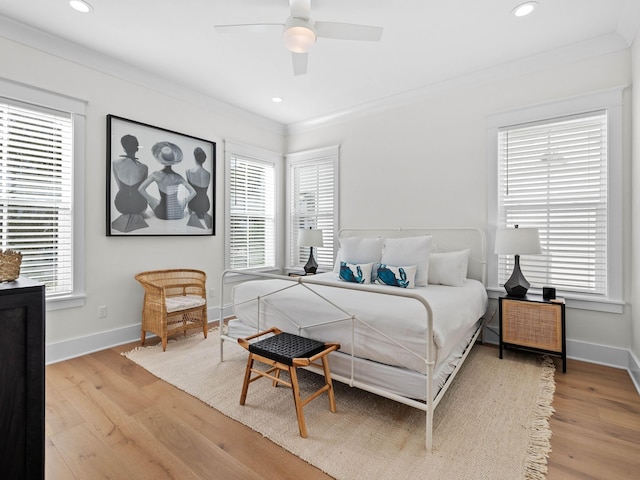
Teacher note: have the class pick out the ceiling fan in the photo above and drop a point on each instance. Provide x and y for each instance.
(300, 32)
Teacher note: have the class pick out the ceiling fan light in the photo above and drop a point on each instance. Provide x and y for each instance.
(299, 39)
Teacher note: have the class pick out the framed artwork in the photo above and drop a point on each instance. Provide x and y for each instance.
(159, 182)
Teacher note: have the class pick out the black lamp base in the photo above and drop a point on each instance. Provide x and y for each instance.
(517, 285)
(311, 266)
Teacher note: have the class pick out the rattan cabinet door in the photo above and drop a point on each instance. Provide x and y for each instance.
(532, 324)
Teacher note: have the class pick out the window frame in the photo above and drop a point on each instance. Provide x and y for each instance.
(233, 149)
(310, 157)
(40, 98)
(611, 101)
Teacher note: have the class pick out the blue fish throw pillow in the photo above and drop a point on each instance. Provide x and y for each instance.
(404, 277)
(357, 273)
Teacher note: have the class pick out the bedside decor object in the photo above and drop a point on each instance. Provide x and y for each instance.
(310, 238)
(517, 241)
(10, 261)
(548, 293)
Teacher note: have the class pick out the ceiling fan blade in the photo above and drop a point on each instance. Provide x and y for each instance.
(299, 63)
(348, 31)
(300, 8)
(250, 28)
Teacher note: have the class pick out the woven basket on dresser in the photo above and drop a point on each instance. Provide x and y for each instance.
(174, 301)
(10, 262)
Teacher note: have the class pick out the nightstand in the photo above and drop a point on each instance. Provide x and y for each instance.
(534, 324)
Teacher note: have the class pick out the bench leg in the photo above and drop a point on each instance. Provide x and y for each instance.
(298, 401)
(329, 383)
(247, 376)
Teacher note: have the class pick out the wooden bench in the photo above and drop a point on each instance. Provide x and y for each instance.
(287, 352)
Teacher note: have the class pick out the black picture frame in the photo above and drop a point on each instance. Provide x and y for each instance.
(159, 182)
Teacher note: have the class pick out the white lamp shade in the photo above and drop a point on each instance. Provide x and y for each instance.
(517, 241)
(310, 238)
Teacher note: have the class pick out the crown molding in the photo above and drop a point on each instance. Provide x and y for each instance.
(591, 48)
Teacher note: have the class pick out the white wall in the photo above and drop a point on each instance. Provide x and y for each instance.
(635, 212)
(112, 262)
(425, 165)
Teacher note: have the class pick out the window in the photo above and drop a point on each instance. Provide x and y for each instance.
(251, 196)
(313, 202)
(40, 155)
(555, 174)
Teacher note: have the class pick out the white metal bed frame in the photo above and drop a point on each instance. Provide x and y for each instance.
(443, 239)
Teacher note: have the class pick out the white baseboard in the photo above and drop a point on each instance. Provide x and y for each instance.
(599, 354)
(634, 370)
(76, 347)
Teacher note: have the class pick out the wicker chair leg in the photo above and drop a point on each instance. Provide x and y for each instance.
(143, 337)
(164, 343)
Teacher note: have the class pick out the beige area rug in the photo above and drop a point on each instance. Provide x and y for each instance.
(491, 424)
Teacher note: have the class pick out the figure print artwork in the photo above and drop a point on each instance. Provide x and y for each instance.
(159, 182)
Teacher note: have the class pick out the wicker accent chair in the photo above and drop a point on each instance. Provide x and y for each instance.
(174, 300)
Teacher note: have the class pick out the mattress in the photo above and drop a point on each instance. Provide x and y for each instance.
(385, 329)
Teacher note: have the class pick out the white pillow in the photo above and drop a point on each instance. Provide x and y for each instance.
(448, 268)
(396, 276)
(409, 251)
(356, 273)
(359, 250)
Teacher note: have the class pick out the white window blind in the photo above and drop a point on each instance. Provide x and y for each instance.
(312, 203)
(36, 165)
(252, 209)
(553, 176)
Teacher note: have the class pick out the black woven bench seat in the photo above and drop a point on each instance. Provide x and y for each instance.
(284, 347)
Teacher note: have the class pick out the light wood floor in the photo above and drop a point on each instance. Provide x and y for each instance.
(107, 418)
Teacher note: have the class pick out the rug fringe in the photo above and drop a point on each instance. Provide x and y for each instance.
(540, 437)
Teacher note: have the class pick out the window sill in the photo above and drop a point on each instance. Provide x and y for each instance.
(68, 301)
(581, 302)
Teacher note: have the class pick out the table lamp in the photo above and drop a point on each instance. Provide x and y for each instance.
(310, 238)
(517, 241)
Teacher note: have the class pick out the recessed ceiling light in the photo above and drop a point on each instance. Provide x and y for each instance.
(80, 6)
(276, 99)
(524, 9)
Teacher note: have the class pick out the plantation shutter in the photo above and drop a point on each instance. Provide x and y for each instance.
(553, 176)
(312, 201)
(252, 233)
(36, 192)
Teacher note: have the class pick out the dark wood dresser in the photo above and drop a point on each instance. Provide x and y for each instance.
(22, 315)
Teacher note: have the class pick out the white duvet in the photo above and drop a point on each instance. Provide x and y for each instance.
(382, 328)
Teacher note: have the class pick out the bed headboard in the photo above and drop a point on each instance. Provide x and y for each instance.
(444, 239)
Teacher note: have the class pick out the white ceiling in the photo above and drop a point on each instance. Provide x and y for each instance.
(424, 43)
